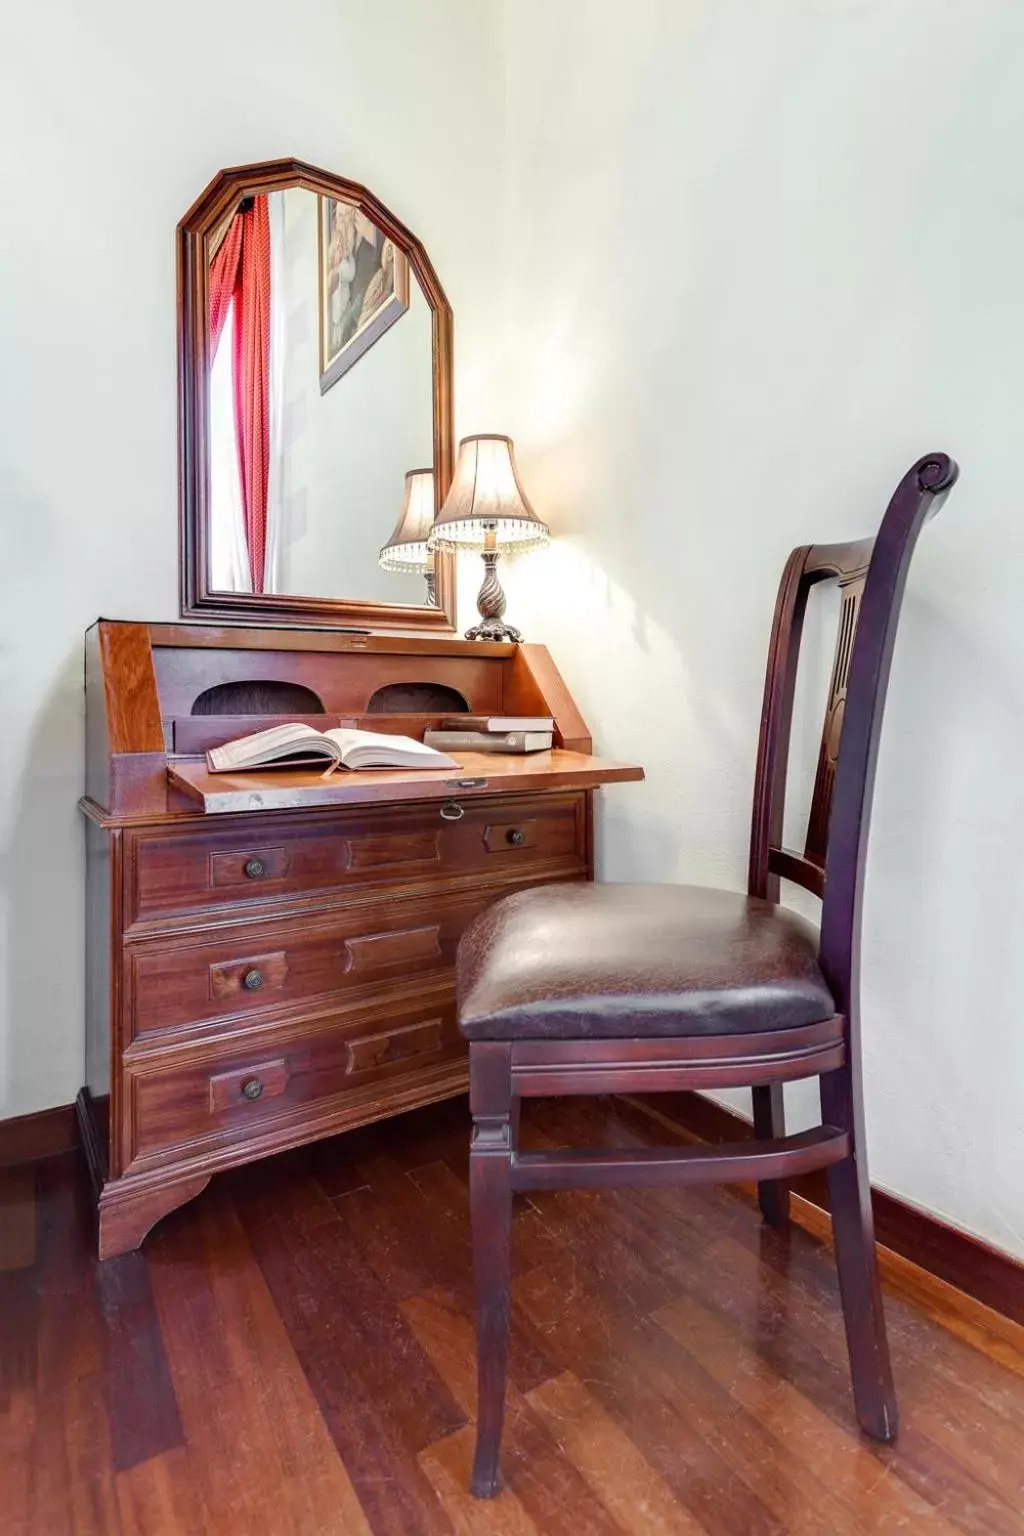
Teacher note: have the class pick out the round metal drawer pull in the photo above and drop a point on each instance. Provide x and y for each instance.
(252, 1088)
(255, 868)
(252, 981)
(517, 837)
(452, 811)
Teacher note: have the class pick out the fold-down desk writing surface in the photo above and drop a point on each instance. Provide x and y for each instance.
(287, 789)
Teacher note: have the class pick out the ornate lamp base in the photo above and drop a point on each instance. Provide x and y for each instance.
(493, 629)
(490, 602)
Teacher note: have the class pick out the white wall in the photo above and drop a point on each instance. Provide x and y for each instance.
(113, 118)
(761, 258)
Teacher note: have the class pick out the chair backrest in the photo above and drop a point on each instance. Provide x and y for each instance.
(871, 574)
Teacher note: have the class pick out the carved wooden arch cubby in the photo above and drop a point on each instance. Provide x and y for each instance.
(198, 601)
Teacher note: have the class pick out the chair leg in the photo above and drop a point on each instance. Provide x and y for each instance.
(490, 1191)
(853, 1234)
(769, 1125)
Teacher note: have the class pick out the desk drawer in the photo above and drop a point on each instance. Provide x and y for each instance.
(263, 861)
(188, 1102)
(242, 975)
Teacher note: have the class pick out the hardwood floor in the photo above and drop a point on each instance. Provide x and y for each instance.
(293, 1353)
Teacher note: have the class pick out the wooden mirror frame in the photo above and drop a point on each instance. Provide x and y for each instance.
(198, 601)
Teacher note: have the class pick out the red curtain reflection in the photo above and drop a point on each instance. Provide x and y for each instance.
(240, 275)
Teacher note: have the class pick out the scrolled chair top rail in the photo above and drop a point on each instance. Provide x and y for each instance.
(936, 472)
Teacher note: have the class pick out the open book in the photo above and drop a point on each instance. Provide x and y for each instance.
(291, 746)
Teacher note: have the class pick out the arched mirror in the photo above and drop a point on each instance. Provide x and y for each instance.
(315, 373)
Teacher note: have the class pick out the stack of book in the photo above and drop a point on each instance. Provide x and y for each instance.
(493, 733)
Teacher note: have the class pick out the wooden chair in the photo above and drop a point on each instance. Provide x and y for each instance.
(626, 988)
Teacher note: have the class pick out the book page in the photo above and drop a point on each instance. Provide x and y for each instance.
(379, 749)
(406, 746)
(266, 745)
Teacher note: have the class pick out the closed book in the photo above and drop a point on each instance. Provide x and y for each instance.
(489, 741)
(503, 723)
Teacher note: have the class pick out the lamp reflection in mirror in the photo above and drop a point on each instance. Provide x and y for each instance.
(407, 548)
(487, 509)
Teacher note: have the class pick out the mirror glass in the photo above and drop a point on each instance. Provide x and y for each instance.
(320, 400)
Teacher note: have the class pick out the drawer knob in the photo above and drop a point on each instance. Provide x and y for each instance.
(252, 1088)
(517, 837)
(252, 980)
(255, 869)
(451, 810)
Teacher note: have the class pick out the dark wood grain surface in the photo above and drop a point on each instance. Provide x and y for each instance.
(948, 1254)
(293, 1354)
(47, 1133)
(345, 856)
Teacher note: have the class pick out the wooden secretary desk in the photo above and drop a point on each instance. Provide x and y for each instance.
(270, 955)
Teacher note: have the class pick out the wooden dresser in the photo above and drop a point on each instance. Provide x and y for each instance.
(270, 955)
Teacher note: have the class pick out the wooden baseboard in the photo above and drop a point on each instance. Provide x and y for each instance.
(989, 1276)
(27, 1138)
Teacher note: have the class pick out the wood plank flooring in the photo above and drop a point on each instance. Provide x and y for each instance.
(292, 1355)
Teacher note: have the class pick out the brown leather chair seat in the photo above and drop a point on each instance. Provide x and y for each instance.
(603, 961)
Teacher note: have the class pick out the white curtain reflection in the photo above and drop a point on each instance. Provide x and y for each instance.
(275, 475)
(229, 553)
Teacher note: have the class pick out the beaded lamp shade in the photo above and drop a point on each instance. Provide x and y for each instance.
(487, 498)
(407, 549)
(487, 509)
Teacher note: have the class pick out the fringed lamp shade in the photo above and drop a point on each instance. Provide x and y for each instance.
(486, 498)
(407, 548)
(487, 509)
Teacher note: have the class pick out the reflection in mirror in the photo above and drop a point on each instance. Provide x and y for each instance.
(320, 399)
(407, 549)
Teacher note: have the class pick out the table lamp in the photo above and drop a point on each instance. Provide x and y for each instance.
(407, 549)
(487, 509)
